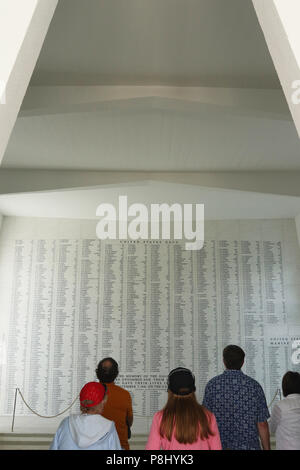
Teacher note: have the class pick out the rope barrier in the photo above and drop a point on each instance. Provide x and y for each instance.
(278, 392)
(54, 416)
(34, 412)
(75, 399)
(41, 416)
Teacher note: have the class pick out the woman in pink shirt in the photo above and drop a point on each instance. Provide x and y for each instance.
(183, 424)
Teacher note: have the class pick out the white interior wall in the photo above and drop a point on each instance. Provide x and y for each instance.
(36, 228)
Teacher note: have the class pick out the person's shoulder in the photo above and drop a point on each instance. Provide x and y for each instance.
(214, 380)
(208, 413)
(104, 421)
(63, 425)
(158, 416)
(121, 391)
(251, 381)
(254, 384)
(283, 404)
(97, 421)
(111, 426)
(64, 421)
(278, 407)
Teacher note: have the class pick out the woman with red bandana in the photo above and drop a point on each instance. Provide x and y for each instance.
(88, 430)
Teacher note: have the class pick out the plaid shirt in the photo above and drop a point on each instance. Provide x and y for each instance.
(238, 403)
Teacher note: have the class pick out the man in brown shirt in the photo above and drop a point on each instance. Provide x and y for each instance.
(118, 407)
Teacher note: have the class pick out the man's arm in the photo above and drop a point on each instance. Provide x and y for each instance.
(129, 417)
(129, 420)
(264, 434)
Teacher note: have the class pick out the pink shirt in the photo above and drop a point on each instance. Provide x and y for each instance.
(156, 442)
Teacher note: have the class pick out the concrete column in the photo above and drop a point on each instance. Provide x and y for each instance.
(23, 27)
(279, 20)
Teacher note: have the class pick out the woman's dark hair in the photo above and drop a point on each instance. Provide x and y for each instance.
(233, 357)
(290, 383)
(107, 370)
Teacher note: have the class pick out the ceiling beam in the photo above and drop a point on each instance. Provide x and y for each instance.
(58, 99)
(265, 182)
(23, 27)
(279, 20)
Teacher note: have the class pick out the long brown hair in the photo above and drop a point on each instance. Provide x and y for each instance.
(187, 416)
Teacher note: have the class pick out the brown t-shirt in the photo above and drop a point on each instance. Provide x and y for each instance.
(118, 408)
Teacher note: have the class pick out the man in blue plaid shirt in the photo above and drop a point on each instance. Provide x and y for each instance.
(239, 405)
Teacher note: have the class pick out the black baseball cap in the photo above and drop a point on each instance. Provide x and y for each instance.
(181, 381)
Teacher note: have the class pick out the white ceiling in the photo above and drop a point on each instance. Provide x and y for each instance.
(212, 43)
(170, 42)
